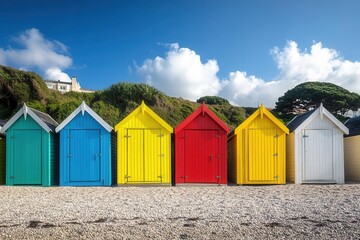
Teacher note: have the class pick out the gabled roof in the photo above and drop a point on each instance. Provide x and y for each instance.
(202, 110)
(261, 111)
(43, 119)
(144, 109)
(84, 108)
(306, 118)
(297, 120)
(353, 124)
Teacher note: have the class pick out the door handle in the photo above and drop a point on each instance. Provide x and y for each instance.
(210, 156)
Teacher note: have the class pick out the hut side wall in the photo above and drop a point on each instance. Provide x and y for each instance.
(290, 157)
(54, 159)
(352, 158)
(143, 121)
(2, 159)
(232, 156)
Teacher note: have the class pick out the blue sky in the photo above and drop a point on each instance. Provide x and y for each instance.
(245, 51)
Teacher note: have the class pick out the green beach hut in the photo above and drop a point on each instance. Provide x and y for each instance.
(31, 149)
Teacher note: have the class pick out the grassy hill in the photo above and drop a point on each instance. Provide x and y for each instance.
(112, 104)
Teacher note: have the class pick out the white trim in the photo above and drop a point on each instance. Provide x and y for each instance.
(25, 111)
(84, 108)
(323, 111)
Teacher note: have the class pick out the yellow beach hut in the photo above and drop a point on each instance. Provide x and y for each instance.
(256, 150)
(143, 148)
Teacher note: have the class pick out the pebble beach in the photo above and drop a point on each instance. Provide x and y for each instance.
(186, 212)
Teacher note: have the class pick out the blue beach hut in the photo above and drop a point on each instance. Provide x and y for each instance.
(85, 149)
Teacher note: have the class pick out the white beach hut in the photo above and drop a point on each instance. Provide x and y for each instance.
(315, 148)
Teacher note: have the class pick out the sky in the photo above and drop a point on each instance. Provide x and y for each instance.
(247, 51)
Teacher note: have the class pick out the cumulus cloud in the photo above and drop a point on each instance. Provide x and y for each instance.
(181, 73)
(37, 52)
(56, 74)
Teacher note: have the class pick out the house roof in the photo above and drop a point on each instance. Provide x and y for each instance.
(60, 82)
(43, 119)
(306, 118)
(297, 120)
(144, 109)
(261, 111)
(353, 124)
(202, 110)
(82, 109)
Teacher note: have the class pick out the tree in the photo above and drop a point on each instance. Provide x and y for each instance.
(310, 95)
(212, 100)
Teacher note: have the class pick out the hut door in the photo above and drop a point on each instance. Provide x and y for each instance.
(263, 155)
(143, 155)
(27, 157)
(84, 156)
(201, 163)
(318, 161)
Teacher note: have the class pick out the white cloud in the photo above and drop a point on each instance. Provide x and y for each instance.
(37, 52)
(57, 74)
(181, 73)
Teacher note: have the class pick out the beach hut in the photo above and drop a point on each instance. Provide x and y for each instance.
(143, 148)
(85, 149)
(352, 150)
(201, 148)
(315, 148)
(257, 150)
(2, 154)
(31, 149)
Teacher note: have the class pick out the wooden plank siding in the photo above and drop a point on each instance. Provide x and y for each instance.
(352, 158)
(290, 158)
(232, 156)
(2, 159)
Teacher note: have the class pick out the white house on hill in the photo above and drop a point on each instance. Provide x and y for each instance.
(65, 87)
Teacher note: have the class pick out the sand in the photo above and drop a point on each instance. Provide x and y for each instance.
(187, 212)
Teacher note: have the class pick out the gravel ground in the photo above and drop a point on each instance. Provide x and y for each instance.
(190, 212)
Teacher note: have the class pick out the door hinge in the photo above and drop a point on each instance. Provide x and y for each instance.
(161, 155)
(12, 137)
(127, 136)
(160, 135)
(184, 176)
(159, 176)
(305, 136)
(217, 177)
(276, 177)
(69, 155)
(127, 176)
(217, 135)
(276, 136)
(275, 155)
(12, 177)
(69, 136)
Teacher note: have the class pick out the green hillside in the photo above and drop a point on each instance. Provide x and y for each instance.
(112, 104)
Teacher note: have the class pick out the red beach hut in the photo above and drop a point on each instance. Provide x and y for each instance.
(201, 148)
